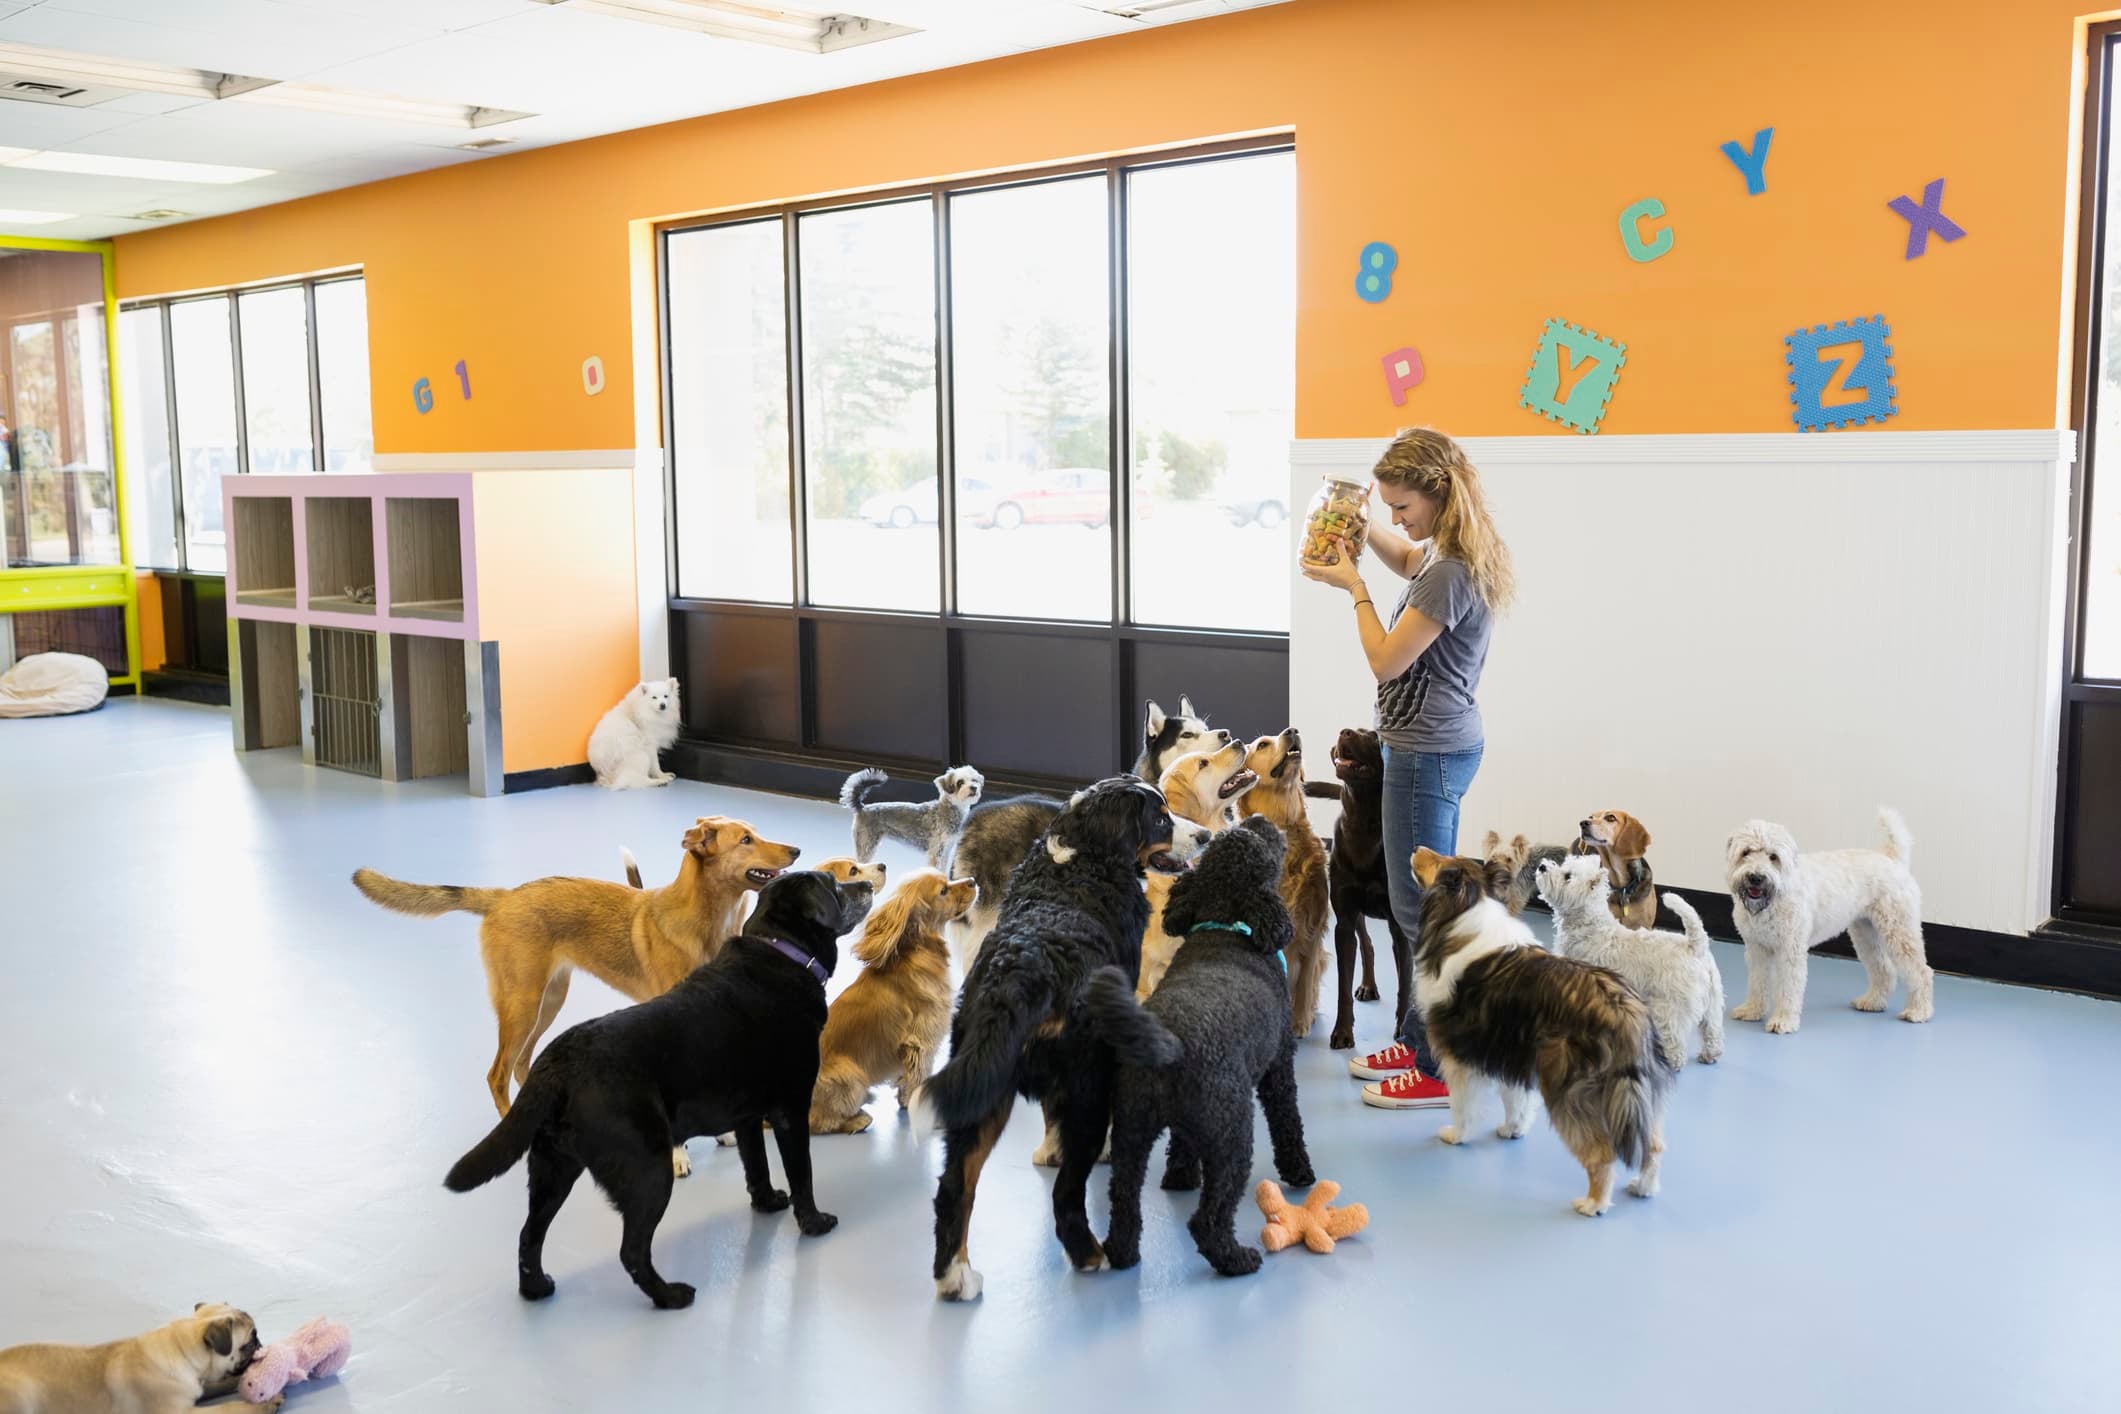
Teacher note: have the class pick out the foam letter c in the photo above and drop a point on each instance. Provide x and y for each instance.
(1631, 230)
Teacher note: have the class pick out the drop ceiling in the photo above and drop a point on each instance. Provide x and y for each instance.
(302, 79)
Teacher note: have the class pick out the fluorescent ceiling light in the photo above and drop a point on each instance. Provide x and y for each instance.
(94, 79)
(95, 164)
(319, 99)
(92, 70)
(32, 218)
(757, 24)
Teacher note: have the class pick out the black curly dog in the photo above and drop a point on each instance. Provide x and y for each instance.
(1074, 905)
(1215, 1032)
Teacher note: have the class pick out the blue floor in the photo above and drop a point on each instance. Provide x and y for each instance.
(228, 1077)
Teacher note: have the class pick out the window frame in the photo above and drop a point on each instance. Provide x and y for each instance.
(1130, 642)
(231, 296)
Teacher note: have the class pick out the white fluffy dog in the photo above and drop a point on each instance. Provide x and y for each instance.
(624, 748)
(1786, 904)
(1674, 973)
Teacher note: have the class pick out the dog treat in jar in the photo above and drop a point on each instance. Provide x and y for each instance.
(1340, 510)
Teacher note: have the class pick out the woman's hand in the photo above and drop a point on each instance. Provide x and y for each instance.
(1341, 572)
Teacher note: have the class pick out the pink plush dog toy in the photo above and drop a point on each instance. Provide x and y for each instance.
(314, 1352)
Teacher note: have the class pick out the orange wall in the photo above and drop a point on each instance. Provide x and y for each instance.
(1494, 144)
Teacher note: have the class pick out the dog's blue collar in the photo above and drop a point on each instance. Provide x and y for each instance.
(795, 954)
(1243, 928)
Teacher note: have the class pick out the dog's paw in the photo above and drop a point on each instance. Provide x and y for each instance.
(1241, 1263)
(1869, 1001)
(676, 1297)
(817, 1224)
(959, 1282)
(1918, 1015)
(1302, 1178)
(1782, 1024)
(1094, 1263)
(771, 1201)
(1590, 1207)
(1710, 1057)
(1047, 1154)
(1507, 1130)
(1642, 1187)
(1343, 1037)
(1122, 1255)
(535, 1286)
(1748, 1011)
(1366, 992)
(1449, 1134)
(681, 1162)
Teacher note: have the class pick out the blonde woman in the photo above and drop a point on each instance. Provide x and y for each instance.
(1427, 658)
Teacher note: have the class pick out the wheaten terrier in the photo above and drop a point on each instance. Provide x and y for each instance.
(1785, 904)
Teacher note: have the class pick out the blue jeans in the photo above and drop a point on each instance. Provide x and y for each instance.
(1422, 792)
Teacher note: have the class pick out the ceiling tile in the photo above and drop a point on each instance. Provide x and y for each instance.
(48, 125)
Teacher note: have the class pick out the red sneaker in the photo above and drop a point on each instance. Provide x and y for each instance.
(1381, 1065)
(1408, 1090)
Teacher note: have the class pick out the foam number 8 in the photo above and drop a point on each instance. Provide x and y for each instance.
(1373, 277)
(423, 395)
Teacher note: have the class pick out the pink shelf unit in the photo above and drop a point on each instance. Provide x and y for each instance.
(298, 543)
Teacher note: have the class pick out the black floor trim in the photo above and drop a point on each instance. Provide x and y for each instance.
(579, 774)
(208, 688)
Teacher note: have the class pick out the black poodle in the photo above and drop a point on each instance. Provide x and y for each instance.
(1214, 1032)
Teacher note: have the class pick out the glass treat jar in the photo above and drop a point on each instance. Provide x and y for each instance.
(1339, 509)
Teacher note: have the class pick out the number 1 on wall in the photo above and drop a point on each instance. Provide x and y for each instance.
(464, 379)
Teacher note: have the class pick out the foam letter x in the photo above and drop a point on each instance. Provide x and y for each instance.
(1927, 217)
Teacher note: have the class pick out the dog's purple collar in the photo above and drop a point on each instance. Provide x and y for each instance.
(795, 954)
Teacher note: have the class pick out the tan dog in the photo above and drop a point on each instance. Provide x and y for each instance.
(165, 1371)
(1204, 786)
(891, 1020)
(639, 942)
(1201, 788)
(1622, 844)
(847, 871)
(1279, 797)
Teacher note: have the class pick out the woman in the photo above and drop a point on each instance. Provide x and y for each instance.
(1427, 660)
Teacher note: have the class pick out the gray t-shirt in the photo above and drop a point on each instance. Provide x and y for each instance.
(1430, 706)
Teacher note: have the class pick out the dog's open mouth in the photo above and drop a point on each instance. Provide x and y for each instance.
(761, 876)
(1755, 896)
(1243, 781)
(1165, 862)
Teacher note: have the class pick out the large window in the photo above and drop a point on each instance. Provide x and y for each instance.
(1017, 344)
(57, 496)
(262, 380)
(969, 471)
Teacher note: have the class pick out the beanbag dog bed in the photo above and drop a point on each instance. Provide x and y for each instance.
(53, 685)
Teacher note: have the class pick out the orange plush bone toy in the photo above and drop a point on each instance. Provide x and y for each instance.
(1314, 1224)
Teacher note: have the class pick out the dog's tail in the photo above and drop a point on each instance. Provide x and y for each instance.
(509, 1140)
(986, 1042)
(633, 868)
(1697, 937)
(1322, 790)
(1616, 1097)
(424, 900)
(855, 793)
(1899, 844)
(1121, 1023)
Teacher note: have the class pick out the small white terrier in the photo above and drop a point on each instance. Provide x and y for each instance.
(1786, 904)
(624, 748)
(1674, 973)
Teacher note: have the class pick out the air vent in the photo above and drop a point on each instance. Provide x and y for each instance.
(162, 214)
(484, 144)
(24, 88)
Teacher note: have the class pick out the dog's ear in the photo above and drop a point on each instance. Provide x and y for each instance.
(220, 1335)
(888, 926)
(1427, 863)
(1156, 720)
(703, 839)
(1185, 706)
(1179, 912)
(1631, 840)
(1496, 875)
